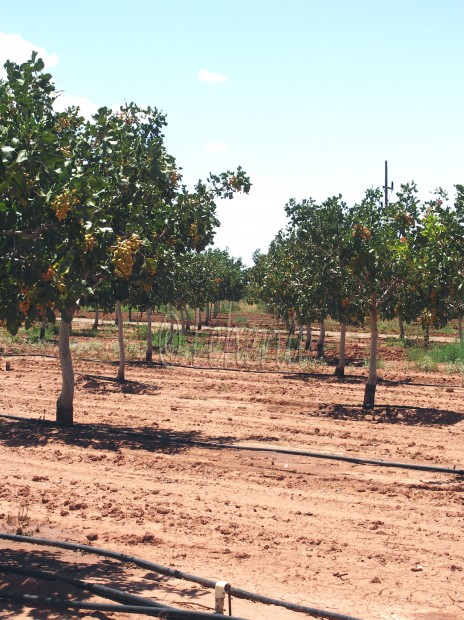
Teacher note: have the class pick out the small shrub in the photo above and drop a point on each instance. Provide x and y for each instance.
(427, 364)
(456, 367)
(312, 364)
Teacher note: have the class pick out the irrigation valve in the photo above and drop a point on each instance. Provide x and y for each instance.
(219, 596)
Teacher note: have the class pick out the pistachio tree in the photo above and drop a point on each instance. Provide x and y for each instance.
(46, 211)
(371, 254)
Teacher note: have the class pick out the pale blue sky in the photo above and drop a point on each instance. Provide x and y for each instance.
(309, 96)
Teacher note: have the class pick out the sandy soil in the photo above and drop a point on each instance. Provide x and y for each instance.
(371, 542)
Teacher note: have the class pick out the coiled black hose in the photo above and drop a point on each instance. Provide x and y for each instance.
(32, 600)
(177, 574)
(95, 588)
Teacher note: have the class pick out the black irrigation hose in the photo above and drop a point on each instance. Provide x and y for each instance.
(225, 446)
(244, 370)
(335, 457)
(31, 600)
(164, 570)
(97, 589)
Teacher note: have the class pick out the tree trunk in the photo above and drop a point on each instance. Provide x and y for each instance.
(426, 329)
(97, 316)
(43, 327)
(369, 393)
(216, 309)
(320, 341)
(340, 368)
(182, 319)
(291, 324)
(300, 336)
(64, 404)
(401, 324)
(149, 353)
(309, 337)
(122, 351)
(187, 319)
(460, 327)
(130, 314)
(208, 313)
(198, 319)
(171, 326)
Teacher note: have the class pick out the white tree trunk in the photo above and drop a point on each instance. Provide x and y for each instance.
(369, 394)
(460, 327)
(401, 326)
(97, 315)
(340, 368)
(198, 322)
(64, 404)
(182, 319)
(309, 337)
(171, 325)
(320, 340)
(122, 350)
(149, 353)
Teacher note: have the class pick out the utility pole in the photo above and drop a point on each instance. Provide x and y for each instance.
(385, 187)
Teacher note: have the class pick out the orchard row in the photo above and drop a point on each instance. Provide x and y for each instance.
(90, 210)
(404, 259)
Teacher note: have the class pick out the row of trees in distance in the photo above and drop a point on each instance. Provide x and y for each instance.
(404, 259)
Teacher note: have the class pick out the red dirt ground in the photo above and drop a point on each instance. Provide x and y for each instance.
(371, 542)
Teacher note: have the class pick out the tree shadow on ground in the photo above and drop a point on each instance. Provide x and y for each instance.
(102, 571)
(391, 414)
(325, 377)
(100, 384)
(30, 432)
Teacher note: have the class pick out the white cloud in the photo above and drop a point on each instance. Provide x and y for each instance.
(209, 76)
(216, 147)
(87, 108)
(14, 47)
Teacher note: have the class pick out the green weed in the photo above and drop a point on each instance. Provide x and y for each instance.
(426, 364)
(451, 352)
(380, 362)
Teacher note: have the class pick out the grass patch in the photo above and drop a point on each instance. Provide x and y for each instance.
(312, 364)
(427, 360)
(439, 353)
(380, 363)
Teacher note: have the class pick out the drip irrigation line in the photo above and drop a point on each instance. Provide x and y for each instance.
(211, 445)
(53, 357)
(31, 600)
(243, 370)
(386, 406)
(335, 457)
(177, 574)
